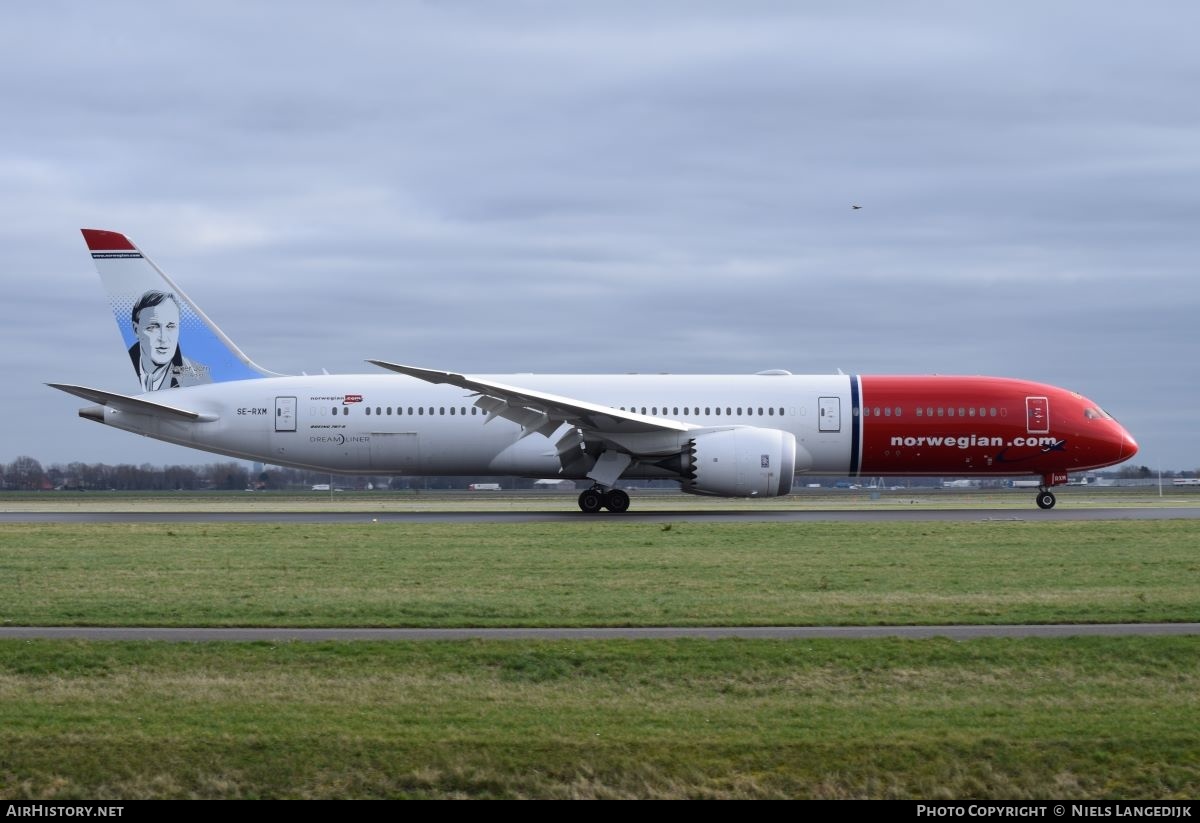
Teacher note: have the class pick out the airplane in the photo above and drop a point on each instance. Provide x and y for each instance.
(721, 435)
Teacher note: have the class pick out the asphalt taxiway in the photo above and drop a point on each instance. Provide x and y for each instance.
(286, 635)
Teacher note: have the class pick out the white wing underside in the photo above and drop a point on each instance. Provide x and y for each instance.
(538, 412)
(542, 412)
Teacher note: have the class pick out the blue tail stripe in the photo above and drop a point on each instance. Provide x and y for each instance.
(855, 425)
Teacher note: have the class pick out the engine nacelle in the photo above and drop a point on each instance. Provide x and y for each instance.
(741, 461)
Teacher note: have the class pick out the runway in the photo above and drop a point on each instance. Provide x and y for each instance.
(689, 515)
(286, 635)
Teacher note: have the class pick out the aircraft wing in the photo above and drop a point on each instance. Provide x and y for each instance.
(542, 412)
(136, 405)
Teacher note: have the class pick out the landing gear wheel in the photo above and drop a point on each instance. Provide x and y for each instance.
(591, 501)
(616, 501)
(1045, 500)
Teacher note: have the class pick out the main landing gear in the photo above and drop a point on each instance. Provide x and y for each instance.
(597, 498)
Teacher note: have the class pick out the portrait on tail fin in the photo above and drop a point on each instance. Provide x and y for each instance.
(157, 356)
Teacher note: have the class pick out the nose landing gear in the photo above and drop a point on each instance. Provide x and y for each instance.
(1045, 497)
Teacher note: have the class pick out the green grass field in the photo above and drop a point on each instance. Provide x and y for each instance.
(599, 574)
(1078, 718)
(1034, 718)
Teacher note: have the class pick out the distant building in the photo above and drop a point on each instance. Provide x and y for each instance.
(554, 485)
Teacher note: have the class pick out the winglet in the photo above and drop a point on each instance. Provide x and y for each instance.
(428, 375)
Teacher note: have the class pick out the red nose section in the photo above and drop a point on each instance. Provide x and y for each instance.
(1129, 446)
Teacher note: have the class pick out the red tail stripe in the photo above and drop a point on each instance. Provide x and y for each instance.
(100, 240)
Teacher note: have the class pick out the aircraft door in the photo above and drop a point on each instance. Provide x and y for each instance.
(285, 414)
(1037, 415)
(831, 414)
(284, 441)
(395, 452)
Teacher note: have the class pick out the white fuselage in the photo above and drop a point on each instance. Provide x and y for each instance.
(394, 425)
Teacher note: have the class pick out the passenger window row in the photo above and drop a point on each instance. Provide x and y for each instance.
(418, 411)
(709, 411)
(936, 411)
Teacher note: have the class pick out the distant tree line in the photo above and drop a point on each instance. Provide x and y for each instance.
(27, 474)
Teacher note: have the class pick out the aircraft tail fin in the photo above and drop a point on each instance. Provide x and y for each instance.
(169, 340)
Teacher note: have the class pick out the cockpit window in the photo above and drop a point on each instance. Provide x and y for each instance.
(1096, 414)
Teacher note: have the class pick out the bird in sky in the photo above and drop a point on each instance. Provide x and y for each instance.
(856, 208)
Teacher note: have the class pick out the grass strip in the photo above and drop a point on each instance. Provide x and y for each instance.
(598, 574)
(991, 718)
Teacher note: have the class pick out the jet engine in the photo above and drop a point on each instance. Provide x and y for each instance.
(741, 461)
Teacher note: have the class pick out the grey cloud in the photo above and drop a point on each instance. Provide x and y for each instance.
(536, 186)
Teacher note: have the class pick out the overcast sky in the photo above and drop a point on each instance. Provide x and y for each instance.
(611, 187)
